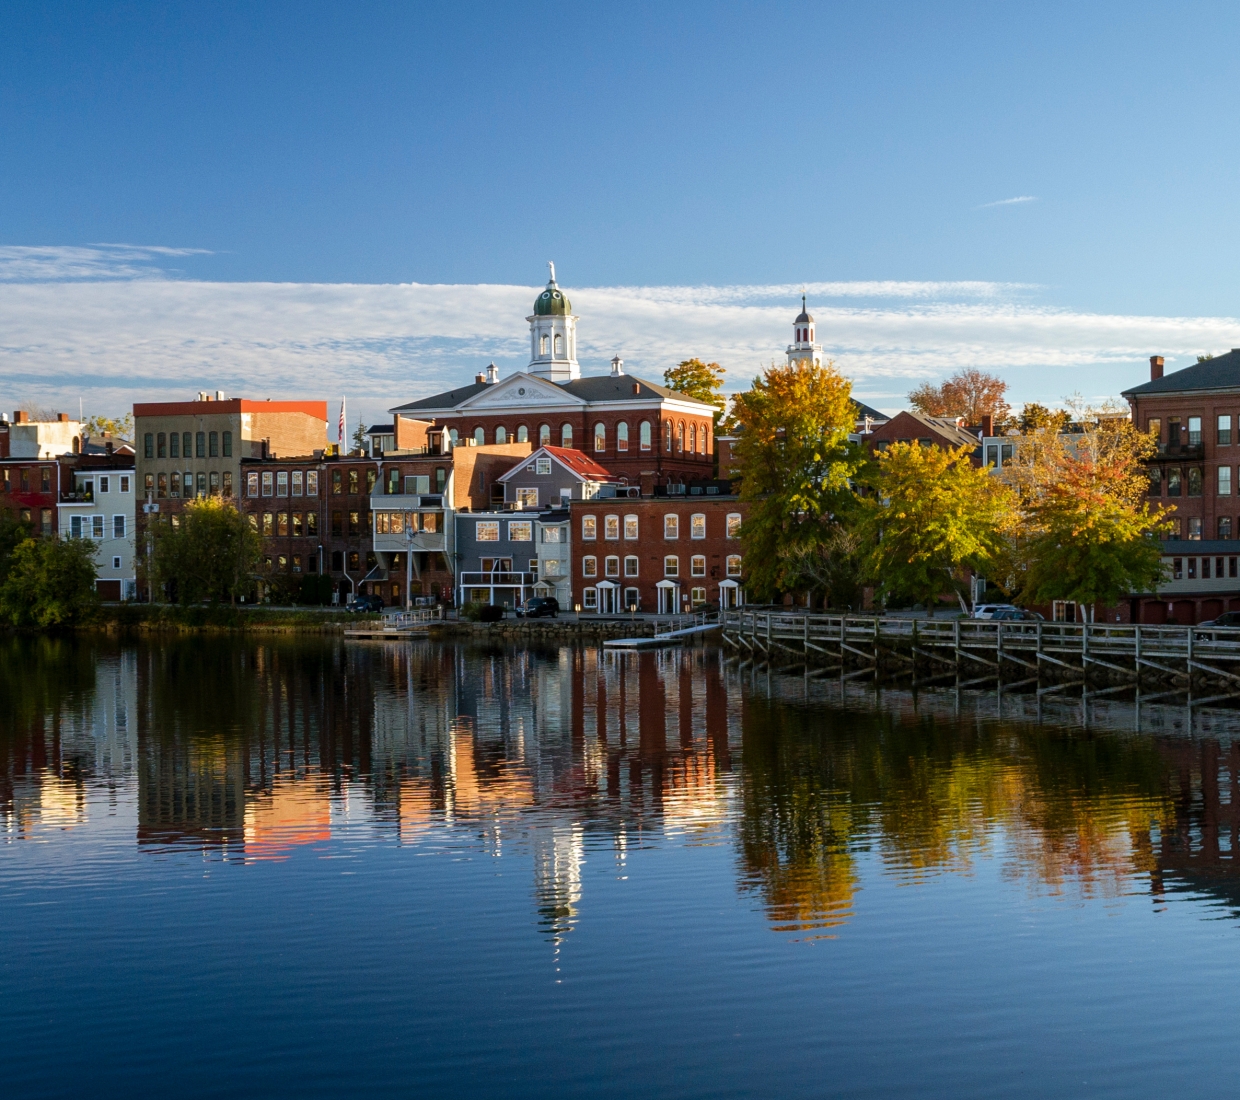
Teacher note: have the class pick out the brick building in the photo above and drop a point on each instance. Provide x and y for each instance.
(644, 433)
(660, 554)
(915, 427)
(32, 489)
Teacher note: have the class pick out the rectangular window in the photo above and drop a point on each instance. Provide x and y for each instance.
(520, 530)
(281, 483)
(992, 454)
(187, 445)
(75, 527)
(631, 566)
(312, 523)
(1194, 431)
(527, 498)
(1224, 481)
(1231, 567)
(251, 485)
(611, 527)
(487, 531)
(161, 446)
(697, 596)
(1224, 527)
(1173, 431)
(671, 566)
(149, 481)
(697, 565)
(1224, 429)
(589, 566)
(1192, 569)
(200, 444)
(671, 527)
(337, 483)
(1177, 569)
(1194, 481)
(355, 523)
(1155, 489)
(118, 527)
(551, 534)
(354, 483)
(1154, 426)
(589, 528)
(124, 484)
(296, 563)
(734, 565)
(533, 566)
(1005, 453)
(214, 487)
(393, 481)
(542, 466)
(630, 527)
(46, 517)
(45, 479)
(297, 483)
(268, 523)
(611, 567)
(1205, 569)
(1194, 528)
(590, 599)
(148, 445)
(372, 476)
(355, 559)
(228, 444)
(96, 528)
(228, 486)
(551, 568)
(312, 483)
(268, 483)
(163, 486)
(697, 526)
(175, 490)
(1173, 481)
(632, 599)
(213, 444)
(174, 445)
(381, 522)
(282, 523)
(338, 524)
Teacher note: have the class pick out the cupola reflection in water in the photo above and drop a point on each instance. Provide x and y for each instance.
(502, 871)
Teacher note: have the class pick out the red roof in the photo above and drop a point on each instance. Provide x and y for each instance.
(575, 460)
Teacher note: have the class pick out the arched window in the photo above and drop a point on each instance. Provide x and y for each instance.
(523, 433)
(559, 345)
(566, 435)
(703, 440)
(544, 434)
(600, 436)
(452, 436)
(667, 436)
(480, 436)
(162, 444)
(622, 436)
(543, 344)
(692, 437)
(643, 434)
(680, 438)
(501, 435)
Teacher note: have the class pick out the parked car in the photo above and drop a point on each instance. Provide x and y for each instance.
(987, 610)
(540, 607)
(1227, 618)
(1017, 614)
(365, 603)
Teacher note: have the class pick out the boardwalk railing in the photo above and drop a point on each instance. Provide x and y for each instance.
(1133, 650)
(684, 622)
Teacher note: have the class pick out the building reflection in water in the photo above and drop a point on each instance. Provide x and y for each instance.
(256, 751)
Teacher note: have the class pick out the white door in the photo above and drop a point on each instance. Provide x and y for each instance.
(669, 601)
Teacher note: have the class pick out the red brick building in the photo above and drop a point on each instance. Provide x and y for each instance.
(662, 554)
(915, 427)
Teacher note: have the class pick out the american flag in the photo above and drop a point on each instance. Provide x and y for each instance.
(340, 426)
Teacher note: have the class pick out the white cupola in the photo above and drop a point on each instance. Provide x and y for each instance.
(803, 346)
(553, 335)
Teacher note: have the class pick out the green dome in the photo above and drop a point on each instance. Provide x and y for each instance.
(552, 302)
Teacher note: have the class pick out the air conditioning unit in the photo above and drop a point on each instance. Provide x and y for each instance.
(635, 491)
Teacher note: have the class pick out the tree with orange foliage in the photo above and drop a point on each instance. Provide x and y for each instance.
(1089, 534)
(969, 393)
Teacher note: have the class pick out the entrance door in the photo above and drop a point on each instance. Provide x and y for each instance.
(669, 600)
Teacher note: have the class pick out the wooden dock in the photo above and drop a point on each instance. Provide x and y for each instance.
(668, 632)
(936, 649)
(406, 624)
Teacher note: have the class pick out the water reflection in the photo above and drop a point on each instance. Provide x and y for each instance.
(258, 751)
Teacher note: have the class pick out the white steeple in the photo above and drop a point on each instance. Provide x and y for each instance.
(553, 335)
(803, 347)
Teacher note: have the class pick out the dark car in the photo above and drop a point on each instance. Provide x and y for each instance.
(540, 607)
(1227, 618)
(1017, 614)
(366, 603)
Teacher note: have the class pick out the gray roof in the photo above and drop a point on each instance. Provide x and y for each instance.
(864, 410)
(594, 389)
(1220, 373)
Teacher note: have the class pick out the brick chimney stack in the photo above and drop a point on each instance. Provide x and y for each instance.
(988, 424)
(20, 417)
(62, 418)
(1156, 367)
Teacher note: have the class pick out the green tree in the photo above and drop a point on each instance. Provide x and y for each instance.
(694, 378)
(50, 582)
(830, 567)
(1034, 417)
(969, 393)
(1088, 533)
(12, 533)
(121, 427)
(792, 427)
(934, 518)
(211, 554)
(359, 436)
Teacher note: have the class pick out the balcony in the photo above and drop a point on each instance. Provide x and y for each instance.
(498, 580)
(1180, 452)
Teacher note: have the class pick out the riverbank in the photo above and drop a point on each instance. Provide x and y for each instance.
(221, 618)
(588, 629)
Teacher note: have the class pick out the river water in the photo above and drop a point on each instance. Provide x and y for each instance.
(318, 868)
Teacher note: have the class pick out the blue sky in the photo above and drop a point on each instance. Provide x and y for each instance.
(673, 145)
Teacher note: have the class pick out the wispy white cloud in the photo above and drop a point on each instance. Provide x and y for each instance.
(1009, 202)
(113, 339)
(60, 263)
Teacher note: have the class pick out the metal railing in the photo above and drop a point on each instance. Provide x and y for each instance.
(684, 622)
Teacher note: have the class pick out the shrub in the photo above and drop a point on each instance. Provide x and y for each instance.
(491, 613)
(472, 611)
(51, 582)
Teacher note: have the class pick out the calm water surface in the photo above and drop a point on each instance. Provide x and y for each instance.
(312, 868)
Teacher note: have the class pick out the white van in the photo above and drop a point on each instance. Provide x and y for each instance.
(987, 610)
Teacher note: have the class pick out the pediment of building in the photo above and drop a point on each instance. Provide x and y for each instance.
(522, 391)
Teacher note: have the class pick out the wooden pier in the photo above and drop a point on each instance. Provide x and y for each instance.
(931, 650)
(393, 627)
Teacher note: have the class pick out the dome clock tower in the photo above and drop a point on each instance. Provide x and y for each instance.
(803, 349)
(553, 335)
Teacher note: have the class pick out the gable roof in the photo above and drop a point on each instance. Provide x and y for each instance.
(1220, 373)
(864, 410)
(940, 425)
(586, 469)
(449, 399)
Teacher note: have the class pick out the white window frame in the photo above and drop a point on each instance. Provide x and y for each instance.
(611, 528)
(520, 530)
(631, 527)
(483, 530)
(632, 566)
(671, 526)
(589, 528)
(589, 599)
(1224, 481)
(734, 565)
(697, 565)
(697, 525)
(673, 561)
(611, 566)
(118, 525)
(732, 526)
(527, 498)
(589, 566)
(542, 467)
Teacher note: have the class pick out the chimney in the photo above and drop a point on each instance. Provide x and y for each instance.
(480, 378)
(62, 418)
(20, 417)
(492, 374)
(617, 366)
(219, 395)
(988, 424)
(1156, 367)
